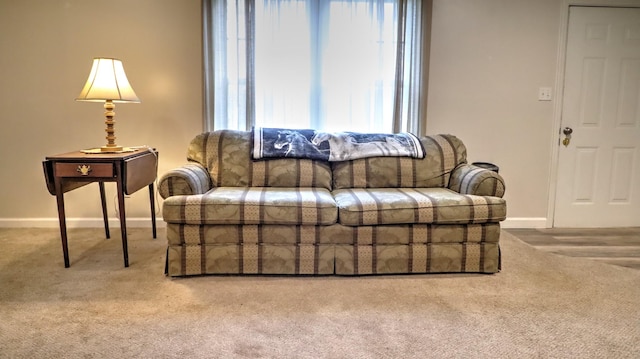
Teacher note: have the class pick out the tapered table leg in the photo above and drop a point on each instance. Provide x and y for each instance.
(152, 200)
(63, 222)
(104, 210)
(123, 217)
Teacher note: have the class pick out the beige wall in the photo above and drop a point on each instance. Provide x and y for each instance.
(488, 59)
(46, 51)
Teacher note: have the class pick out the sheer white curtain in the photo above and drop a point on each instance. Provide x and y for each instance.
(334, 65)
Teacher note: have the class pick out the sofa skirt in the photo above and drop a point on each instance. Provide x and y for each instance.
(418, 258)
(303, 259)
(309, 259)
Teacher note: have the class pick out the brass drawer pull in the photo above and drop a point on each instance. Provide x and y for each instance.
(84, 170)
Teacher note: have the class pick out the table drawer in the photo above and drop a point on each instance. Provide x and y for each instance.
(89, 169)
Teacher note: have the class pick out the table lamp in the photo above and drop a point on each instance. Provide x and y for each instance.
(107, 82)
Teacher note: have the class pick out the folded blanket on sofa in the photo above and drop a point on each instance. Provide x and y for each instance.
(338, 146)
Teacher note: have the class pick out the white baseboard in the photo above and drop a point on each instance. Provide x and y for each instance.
(524, 222)
(516, 222)
(77, 223)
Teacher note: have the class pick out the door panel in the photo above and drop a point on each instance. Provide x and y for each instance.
(599, 171)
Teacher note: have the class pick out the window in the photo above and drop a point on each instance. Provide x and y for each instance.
(332, 65)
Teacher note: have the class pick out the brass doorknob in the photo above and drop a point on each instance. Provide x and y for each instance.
(567, 136)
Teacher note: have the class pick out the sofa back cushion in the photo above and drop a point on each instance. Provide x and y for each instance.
(227, 156)
(442, 154)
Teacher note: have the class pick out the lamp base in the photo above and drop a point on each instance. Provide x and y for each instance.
(99, 150)
(108, 149)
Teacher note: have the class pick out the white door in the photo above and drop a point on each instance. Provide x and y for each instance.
(599, 171)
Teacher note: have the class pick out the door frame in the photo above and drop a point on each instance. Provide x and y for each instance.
(559, 89)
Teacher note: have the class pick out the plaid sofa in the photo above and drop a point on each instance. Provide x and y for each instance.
(229, 214)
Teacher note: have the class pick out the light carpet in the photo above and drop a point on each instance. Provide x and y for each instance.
(540, 306)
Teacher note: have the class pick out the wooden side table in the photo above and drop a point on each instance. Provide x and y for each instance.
(130, 170)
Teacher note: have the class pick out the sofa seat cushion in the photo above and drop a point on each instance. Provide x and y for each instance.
(375, 206)
(253, 205)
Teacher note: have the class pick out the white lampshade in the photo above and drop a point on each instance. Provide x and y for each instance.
(107, 81)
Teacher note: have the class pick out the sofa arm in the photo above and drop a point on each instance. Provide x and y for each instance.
(189, 179)
(470, 179)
